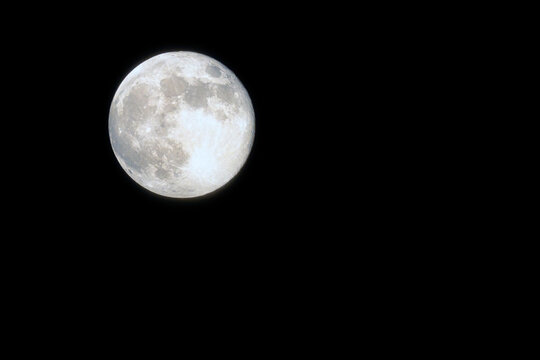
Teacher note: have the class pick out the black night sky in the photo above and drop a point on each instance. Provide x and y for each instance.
(290, 71)
(348, 190)
(326, 159)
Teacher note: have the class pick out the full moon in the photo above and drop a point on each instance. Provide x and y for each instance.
(181, 124)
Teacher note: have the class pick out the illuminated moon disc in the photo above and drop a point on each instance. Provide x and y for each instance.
(181, 124)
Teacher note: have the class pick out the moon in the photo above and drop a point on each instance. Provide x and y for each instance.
(181, 124)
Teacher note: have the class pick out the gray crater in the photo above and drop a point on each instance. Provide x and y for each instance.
(173, 86)
(135, 103)
(197, 95)
(225, 93)
(213, 71)
(169, 155)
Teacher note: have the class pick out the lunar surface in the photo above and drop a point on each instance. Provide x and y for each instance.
(181, 124)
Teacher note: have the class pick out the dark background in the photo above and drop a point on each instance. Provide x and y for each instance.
(288, 218)
(300, 78)
(340, 100)
(348, 189)
(359, 211)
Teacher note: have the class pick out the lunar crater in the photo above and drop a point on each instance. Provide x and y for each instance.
(213, 71)
(197, 95)
(173, 86)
